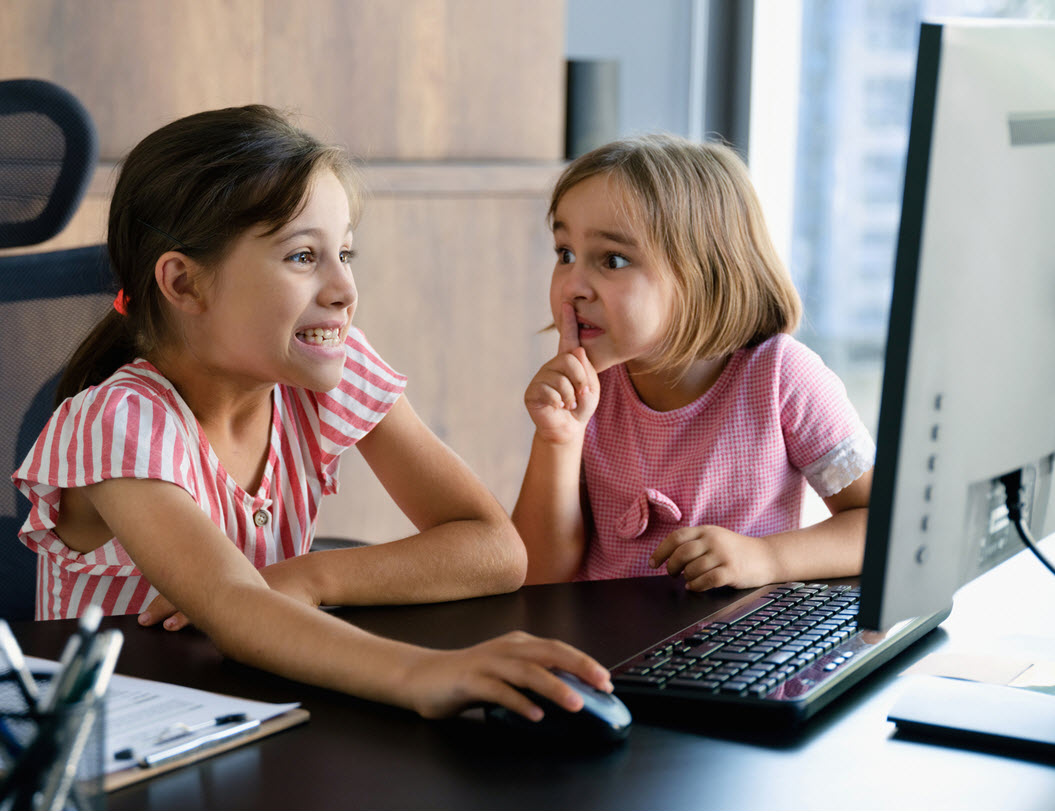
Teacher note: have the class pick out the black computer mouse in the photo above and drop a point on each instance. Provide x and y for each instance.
(604, 719)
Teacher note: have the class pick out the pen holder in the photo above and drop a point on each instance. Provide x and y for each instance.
(50, 760)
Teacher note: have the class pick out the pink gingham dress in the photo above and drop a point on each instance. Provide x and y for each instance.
(739, 457)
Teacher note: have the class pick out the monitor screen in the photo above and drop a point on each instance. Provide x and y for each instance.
(969, 384)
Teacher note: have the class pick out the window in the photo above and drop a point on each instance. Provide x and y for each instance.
(830, 170)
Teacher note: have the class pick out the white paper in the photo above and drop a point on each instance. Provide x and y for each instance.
(140, 711)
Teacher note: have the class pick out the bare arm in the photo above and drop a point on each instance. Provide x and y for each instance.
(561, 398)
(833, 548)
(188, 558)
(548, 513)
(467, 545)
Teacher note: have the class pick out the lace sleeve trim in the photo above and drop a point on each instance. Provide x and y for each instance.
(842, 465)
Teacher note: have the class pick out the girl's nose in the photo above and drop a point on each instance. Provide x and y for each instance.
(339, 290)
(575, 285)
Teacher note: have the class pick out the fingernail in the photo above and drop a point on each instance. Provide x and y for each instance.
(170, 624)
(145, 618)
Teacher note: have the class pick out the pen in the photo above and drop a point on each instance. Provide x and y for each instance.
(13, 653)
(97, 659)
(181, 730)
(74, 658)
(177, 751)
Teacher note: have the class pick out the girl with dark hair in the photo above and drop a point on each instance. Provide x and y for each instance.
(203, 420)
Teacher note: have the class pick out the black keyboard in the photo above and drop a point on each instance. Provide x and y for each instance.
(776, 656)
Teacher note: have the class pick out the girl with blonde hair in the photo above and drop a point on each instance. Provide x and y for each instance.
(679, 423)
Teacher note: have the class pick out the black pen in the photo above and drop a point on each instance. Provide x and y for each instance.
(181, 731)
(204, 742)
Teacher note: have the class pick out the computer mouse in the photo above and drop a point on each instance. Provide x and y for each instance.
(604, 719)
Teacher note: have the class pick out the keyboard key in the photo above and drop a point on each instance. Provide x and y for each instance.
(704, 650)
(636, 679)
(736, 656)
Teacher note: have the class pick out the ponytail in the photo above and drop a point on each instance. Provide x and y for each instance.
(108, 347)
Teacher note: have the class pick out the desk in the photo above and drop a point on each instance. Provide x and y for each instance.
(356, 754)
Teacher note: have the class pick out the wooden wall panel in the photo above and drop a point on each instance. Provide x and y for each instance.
(136, 65)
(457, 309)
(408, 80)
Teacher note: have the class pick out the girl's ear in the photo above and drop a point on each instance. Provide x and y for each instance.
(179, 278)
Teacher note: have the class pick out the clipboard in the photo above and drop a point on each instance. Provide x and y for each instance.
(131, 775)
(138, 710)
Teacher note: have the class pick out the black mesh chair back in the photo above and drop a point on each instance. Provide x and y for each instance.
(48, 301)
(48, 150)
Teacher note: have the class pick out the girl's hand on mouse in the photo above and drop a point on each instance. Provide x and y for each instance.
(444, 683)
(563, 395)
(708, 557)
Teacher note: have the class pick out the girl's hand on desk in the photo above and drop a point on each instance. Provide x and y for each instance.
(447, 682)
(708, 557)
(162, 611)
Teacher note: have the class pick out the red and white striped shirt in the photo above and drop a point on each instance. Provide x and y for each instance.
(738, 457)
(135, 424)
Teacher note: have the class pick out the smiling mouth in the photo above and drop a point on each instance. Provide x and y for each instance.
(320, 337)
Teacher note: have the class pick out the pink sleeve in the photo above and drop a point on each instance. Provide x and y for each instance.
(107, 432)
(823, 433)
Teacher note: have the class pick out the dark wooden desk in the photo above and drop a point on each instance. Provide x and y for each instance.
(355, 754)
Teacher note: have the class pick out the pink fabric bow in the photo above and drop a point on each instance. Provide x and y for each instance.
(635, 520)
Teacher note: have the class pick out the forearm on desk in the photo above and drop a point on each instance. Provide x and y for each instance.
(833, 548)
(455, 560)
(549, 513)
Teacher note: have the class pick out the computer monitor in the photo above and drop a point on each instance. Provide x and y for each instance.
(969, 385)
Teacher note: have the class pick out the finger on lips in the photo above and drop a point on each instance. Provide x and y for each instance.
(569, 329)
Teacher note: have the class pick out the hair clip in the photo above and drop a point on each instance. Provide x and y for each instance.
(121, 302)
(163, 234)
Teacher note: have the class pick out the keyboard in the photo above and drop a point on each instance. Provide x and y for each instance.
(775, 658)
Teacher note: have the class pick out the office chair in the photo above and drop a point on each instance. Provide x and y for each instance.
(48, 151)
(49, 300)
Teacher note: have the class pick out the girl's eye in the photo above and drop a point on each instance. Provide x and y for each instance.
(301, 257)
(347, 256)
(616, 261)
(565, 257)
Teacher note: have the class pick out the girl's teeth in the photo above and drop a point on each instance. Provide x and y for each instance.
(320, 335)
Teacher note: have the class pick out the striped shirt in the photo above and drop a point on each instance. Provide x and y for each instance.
(738, 457)
(135, 424)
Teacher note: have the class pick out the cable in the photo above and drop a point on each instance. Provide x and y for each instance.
(1013, 493)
